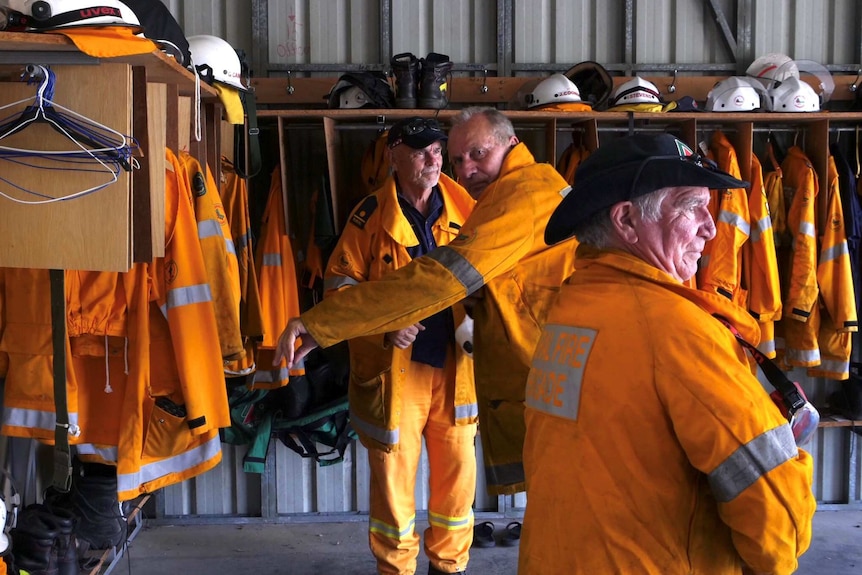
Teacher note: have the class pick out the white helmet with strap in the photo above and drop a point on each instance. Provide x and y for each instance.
(554, 89)
(216, 60)
(772, 68)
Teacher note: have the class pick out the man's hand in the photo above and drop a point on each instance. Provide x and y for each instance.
(287, 342)
(404, 337)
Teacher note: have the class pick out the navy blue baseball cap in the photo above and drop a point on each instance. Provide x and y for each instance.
(416, 132)
(628, 167)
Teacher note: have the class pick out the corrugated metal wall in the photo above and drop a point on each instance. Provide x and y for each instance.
(323, 37)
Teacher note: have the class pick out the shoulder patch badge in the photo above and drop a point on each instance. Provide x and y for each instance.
(199, 186)
(363, 212)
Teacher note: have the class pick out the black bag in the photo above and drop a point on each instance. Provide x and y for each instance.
(313, 410)
(374, 84)
(161, 27)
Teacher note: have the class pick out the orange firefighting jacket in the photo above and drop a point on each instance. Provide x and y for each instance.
(796, 334)
(835, 280)
(673, 461)
(720, 269)
(279, 288)
(373, 244)
(234, 195)
(219, 254)
(501, 247)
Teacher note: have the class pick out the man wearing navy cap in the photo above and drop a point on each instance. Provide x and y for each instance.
(651, 447)
(413, 382)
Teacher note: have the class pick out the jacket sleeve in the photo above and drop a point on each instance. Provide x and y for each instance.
(494, 238)
(733, 433)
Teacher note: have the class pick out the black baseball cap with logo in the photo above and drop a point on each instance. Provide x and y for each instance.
(415, 132)
(629, 167)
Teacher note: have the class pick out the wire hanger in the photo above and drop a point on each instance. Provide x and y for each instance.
(97, 148)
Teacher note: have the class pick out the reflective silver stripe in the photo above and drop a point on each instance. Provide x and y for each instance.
(176, 464)
(752, 461)
(384, 436)
(377, 526)
(271, 375)
(734, 220)
(273, 260)
(802, 356)
(807, 228)
(243, 241)
(466, 411)
(107, 454)
(34, 418)
(208, 229)
(834, 252)
(231, 249)
(554, 383)
(189, 295)
(565, 191)
(459, 267)
(834, 366)
(760, 227)
(336, 282)
(767, 346)
(450, 523)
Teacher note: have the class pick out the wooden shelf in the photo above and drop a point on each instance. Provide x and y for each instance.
(830, 420)
(160, 68)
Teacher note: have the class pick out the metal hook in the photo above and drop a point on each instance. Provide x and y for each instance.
(290, 88)
(672, 87)
(484, 88)
(855, 83)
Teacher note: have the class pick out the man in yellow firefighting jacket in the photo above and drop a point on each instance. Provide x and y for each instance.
(415, 382)
(651, 447)
(501, 247)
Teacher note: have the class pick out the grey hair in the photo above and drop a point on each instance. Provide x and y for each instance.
(597, 230)
(501, 127)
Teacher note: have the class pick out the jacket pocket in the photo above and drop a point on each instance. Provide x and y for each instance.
(167, 433)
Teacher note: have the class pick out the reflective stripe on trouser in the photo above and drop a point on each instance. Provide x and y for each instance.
(427, 409)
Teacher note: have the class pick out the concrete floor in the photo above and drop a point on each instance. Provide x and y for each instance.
(342, 549)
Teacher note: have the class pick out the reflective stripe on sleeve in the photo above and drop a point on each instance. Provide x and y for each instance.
(734, 220)
(178, 297)
(273, 260)
(459, 267)
(338, 282)
(752, 461)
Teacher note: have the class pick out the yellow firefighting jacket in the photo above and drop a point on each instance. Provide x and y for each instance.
(796, 334)
(673, 461)
(835, 280)
(279, 288)
(501, 247)
(373, 244)
(219, 254)
(568, 163)
(720, 269)
(760, 263)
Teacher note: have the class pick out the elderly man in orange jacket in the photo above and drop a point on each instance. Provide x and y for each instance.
(651, 446)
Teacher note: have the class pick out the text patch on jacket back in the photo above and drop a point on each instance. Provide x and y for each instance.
(554, 384)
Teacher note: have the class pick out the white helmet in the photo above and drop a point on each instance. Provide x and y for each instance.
(794, 95)
(636, 91)
(734, 94)
(51, 14)
(773, 68)
(216, 60)
(554, 89)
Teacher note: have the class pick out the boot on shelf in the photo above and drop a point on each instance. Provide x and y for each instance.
(405, 68)
(101, 524)
(433, 81)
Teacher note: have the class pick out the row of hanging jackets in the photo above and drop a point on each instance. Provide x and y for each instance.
(772, 256)
(149, 350)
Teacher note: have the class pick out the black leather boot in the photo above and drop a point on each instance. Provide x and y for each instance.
(66, 542)
(101, 524)
(405, 67)
(432, 83)
(35, 542)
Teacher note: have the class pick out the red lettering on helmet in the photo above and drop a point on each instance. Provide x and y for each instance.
(98, 11)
